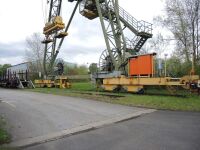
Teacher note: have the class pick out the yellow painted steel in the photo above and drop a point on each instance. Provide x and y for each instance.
(62, 82)
(109, 87)
(44, 83)
(141, 81)
(56, 25)
(133, 88)
(190, 78)
(134, 84)
(59, 82)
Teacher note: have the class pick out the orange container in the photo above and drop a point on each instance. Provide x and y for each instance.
(142, 65)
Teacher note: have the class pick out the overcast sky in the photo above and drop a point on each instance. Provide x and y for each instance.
(21, 18)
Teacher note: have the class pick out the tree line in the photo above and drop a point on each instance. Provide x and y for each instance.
(181, 19)
(3, 68)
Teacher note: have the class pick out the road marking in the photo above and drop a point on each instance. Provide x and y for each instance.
(9, 103)
(76, 130)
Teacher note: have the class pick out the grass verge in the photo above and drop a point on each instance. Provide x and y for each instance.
(4, 136)
(187, 102)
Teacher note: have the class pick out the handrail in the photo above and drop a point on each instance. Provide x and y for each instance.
(139, 26)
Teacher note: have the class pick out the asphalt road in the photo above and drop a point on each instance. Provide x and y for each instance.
(32, 114)
(161, 130)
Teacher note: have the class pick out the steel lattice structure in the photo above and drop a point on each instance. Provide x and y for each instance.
(111, 17)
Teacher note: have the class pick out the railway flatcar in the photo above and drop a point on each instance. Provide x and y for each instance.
(16, 76)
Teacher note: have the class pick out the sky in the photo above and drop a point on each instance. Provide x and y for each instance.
(85, 42)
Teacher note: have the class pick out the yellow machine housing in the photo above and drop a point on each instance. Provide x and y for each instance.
(59, 82)
(62, 82)
(44, 83)
(54, 26)
(135, 84)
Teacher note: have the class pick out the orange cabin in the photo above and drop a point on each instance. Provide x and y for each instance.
(141, 65)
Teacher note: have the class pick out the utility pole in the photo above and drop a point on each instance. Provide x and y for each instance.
(166, 65)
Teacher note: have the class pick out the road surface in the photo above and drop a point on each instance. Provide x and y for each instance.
(161, 130)
(31, 115)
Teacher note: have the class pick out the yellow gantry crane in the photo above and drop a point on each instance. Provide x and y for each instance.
(120, 66)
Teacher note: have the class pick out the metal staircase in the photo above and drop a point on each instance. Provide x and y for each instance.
(142, 29)
(112, 17)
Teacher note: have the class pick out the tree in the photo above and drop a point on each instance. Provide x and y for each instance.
(93, 68)
(182, 19)
(158, 44)
(75, 70)
(82, 70)
(175, 67)
(1, 71)
(35, 52)
(3, 68)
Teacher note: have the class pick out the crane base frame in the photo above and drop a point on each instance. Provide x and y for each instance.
(137, 84)
(61, 82)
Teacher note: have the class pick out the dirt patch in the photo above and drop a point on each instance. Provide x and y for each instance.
(101, 94)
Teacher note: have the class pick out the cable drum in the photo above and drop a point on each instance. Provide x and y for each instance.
(105, 61)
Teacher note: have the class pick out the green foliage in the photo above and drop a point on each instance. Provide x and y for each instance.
(197, 69)
(4, 136)
(191, 103)
(1, 71)
(82, 70)
(177, 68)
(182, 19)
(3, 68)
(93, 68)
(75, 70)
(82, 86)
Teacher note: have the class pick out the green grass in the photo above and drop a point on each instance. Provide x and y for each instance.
(9, 148)
(82, 86)
(188, 102)
(4, 136)
(163, 102)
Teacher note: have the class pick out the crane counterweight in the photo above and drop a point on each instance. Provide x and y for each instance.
(54, 26)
